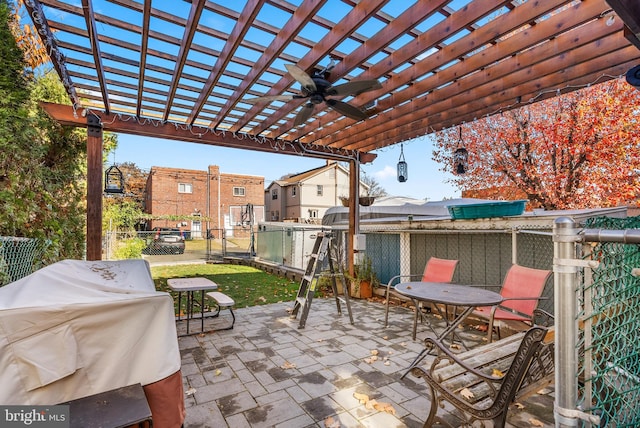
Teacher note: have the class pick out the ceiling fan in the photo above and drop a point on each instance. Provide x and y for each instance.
(317, 88)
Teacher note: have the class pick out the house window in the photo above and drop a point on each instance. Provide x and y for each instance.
(319, 190)
(275, 215)
(185, 188)
(274, 194)
(238, 191)
(313, 213)
(293, 191)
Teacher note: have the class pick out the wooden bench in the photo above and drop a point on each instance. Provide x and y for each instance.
(484, 381)
(223, 302)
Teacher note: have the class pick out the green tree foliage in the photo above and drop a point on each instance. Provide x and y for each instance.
(121, 214)
(41, 163)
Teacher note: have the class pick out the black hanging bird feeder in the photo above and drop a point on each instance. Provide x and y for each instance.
(460, 157)
(113, 180)
(403, 172)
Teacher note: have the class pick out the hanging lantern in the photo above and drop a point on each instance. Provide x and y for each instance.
(460, 157)
(403, 172)
(113, 180)
(633, 77)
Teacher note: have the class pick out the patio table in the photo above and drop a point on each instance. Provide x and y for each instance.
(457, 295)
(191, 285)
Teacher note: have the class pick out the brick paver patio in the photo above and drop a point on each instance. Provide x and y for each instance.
(268, 373)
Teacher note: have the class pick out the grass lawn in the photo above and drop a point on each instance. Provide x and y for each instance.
(248, 286)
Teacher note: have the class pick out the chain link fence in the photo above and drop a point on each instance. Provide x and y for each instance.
(609, 328)
(19, 257)
(173, 248)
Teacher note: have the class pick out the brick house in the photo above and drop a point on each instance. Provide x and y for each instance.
(305, 197)
(222, 201)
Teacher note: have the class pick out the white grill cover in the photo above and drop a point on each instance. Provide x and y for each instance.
(77, 328)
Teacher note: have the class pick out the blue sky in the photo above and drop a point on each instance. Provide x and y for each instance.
(425, 178)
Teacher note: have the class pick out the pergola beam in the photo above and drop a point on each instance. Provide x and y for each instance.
(629, 12)
(119, 123)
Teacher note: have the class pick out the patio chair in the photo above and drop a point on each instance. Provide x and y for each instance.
(522, 291)
(436, 270)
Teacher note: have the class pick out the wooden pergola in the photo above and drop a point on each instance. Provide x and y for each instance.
(184, 70)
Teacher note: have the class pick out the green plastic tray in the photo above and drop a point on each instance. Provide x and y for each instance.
(486, 210)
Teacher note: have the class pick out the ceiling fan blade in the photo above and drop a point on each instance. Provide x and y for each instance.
(354, 88)
(269, 98)
(303, 78)
(304, 114)
(347, 109)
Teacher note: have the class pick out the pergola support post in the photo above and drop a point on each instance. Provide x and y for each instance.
(94, 188)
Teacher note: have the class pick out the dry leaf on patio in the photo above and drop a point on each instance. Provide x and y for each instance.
(288, 365)
(535, 423)
(362, 398)
(384, 407)
(374, 352)
(387, 363)
(331, 423)
(218, 372)
(497, 373)
(370, 405)
(544, 391)
(454, 346)
(385, 337)
(519, 406)
(190, 391)
(466, 393)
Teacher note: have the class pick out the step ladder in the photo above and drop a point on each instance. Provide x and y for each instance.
(309, 282)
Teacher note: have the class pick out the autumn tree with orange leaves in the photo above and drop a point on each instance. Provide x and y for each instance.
(576, 150)
(27, 38)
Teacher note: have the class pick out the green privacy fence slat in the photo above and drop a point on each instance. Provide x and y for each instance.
(19, 257)
(610, 342)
